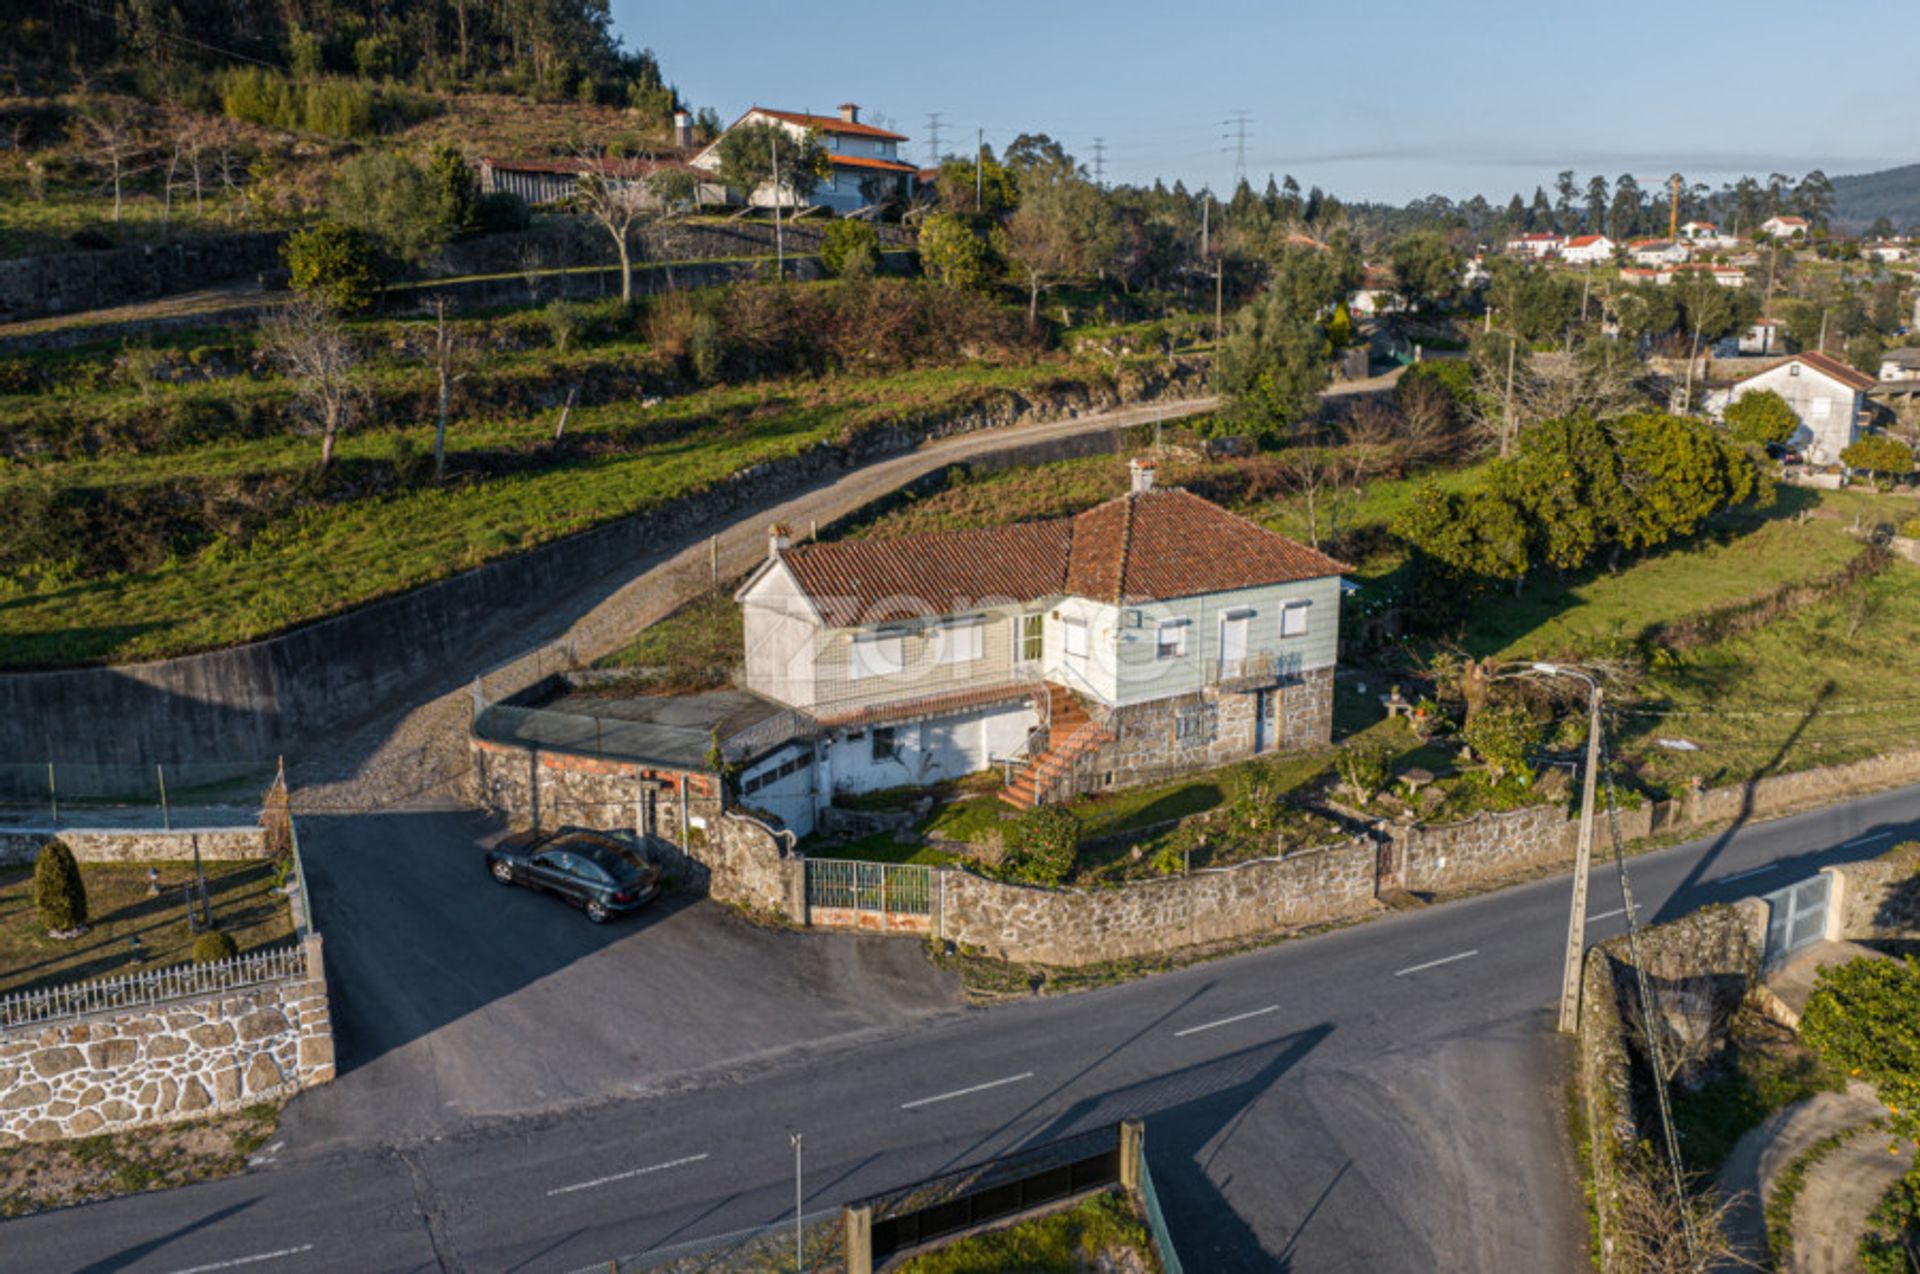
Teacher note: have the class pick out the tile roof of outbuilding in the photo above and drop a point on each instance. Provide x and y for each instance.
(1141, 547)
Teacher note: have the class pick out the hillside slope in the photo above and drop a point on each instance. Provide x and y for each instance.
(1893, 193)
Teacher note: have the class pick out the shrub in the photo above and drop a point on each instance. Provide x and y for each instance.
(59, 895)
(1040, 849)
(501, 212)
(953, 254)
(213, 946)
(1910, 529)
(566, 323)
(1363, 767)
(1864, 1016)
(1877, 454)
(1760, 418)
(334, 264)
(850, 248)
(1503, 737)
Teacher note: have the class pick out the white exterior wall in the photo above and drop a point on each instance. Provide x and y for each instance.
(922, 671)
(780, 639)
(926, 751)
(1095, 675)
(1599, 252)
(790, 798)
(1142, 675)
(1829, 411)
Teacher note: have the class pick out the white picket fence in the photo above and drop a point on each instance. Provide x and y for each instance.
(136, 990)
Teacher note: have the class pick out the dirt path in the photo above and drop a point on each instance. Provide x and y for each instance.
(420, 753)
(1839, 1192)
(1761, 1155)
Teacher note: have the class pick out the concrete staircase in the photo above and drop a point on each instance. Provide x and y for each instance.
(1071, 734)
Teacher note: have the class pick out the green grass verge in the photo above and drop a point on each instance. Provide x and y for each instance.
(1765, 1073)
(37, 1176)
(244, 904)
(1102, 1233)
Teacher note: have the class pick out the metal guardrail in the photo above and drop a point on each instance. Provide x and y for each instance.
(1156, 1216)
(137, 990)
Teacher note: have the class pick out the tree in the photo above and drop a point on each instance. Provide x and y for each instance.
(312, 350)
(1710, 312)
(109, 132)
(1865, 350)
(1679, 472)
(445, 348)
(1760, 418)
(751, 154)
(1312, 470)
(409, 214)
(1061, 230)
(1036, 152)
(981, 185)
(1426, 271)
(1564, 477)
(1504, 737)
(449, 172)
(1879, 455)
(59, 894)
(1307, 282)
(850, 248)
(953, 254)
(1042, 845)
(1466, 540)
(613, 194)
(332, 264)
(1864, 1017)
(1270, 367)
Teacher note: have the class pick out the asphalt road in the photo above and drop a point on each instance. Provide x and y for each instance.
(1388, 1096)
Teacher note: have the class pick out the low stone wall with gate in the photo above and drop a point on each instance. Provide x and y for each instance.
(258, 1028)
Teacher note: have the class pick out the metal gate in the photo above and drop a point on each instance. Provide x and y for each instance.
(1796, 916)
(870, 895)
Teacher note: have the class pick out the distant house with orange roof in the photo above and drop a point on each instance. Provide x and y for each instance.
(1588, 249)
(867, 167)
(1785, 227)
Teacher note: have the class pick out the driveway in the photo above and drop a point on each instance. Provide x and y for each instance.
(456, 999)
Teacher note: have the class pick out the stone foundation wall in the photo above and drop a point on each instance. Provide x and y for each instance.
(1147, 748)
(1878, 899)
(1072, 927)
(1486, 847)
(66, 282)
(20, 846)
(182, 1059)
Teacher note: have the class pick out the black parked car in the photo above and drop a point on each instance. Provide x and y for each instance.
(596, 871)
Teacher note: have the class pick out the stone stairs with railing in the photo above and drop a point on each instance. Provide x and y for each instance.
(1071, 734)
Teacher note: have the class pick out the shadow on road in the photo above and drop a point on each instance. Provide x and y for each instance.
(127, 1256)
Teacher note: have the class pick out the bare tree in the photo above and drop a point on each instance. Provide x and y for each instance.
(1318, 474)
(312, 350)
(610, 191)
(1647, 1228)
(532, 259)
(109, 131)
(446, 347)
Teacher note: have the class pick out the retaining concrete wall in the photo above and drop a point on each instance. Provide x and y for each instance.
(69, 282)
(1876, 900)
(182, 1059)
(273, 696)
(21, 845)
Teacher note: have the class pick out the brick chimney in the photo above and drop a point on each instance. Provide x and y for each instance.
(778, 538)
(849, 113)
(682, 130)
(1142, 474)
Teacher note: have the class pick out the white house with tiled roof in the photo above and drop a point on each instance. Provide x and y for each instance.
(1588, 249)
(1829, 397)
(1785, 227)
(866, 159)
(1152, 634)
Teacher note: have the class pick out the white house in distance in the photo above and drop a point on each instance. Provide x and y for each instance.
(1829, 397)
(864, 157)
(1706, 235)
(1150, 635)
(1764, 337)
(1375, 295)
(1727, 276)
(1900, 364)
(1658, 252)
(1587, 249)
(1887, 251)
(1785, 227)
(1538, 246)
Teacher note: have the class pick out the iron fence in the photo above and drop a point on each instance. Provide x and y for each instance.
(163, 795)
(137, 990)
(902, 889)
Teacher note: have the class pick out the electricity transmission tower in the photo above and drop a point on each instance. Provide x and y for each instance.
(933, 139)
(1238, 135)
(1100, 162)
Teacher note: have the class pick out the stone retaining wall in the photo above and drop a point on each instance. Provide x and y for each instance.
(21, 846)
(181, 1059)
(68, 282)
(1449, 856)
(1876, 900)
(1073, 927)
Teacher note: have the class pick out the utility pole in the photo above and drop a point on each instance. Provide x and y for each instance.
(779, 244)
(1239, 125)
(979, 161)
(1506, 419)
(1219, 298)
(799, 1234)
(1100, 162)
(1673, 211)
(933, 139)
(1582, 862)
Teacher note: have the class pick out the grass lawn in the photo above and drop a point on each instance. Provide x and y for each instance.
(35, 1176)
(244, 905)
(1102, 1233)
(881, 847)
(695, 647)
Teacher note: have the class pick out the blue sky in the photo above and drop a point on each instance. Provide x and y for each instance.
(1388, 100)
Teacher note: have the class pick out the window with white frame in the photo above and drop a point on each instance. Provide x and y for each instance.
(878, 654)
(1074, 633)
(1293, 619)
(962, 641)
(1171, 641)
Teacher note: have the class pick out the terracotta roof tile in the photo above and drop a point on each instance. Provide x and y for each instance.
(1822, 363)
(830, 124)
(1148, 546)
(867, 161)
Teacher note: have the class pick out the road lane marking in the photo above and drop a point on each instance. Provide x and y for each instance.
(624, 1176)
(1608, 915)
(1226, 1021)
(1867, 840)
(966, 1092)
(1751, 871)
(1436, 963)
(247, 1260)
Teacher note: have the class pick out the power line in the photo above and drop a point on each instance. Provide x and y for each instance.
(1100, 161)
(933, 139)
(1238, 123)
(181, 39)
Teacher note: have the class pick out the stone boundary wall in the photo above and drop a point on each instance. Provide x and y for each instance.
(1067, 928)
(1875, 900)
(21, 846)
(1491, 846)
(69, 282)
(180, 1059)
(273, 696)
(1713, 953)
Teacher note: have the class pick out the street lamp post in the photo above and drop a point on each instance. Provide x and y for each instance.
(799, 1234)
